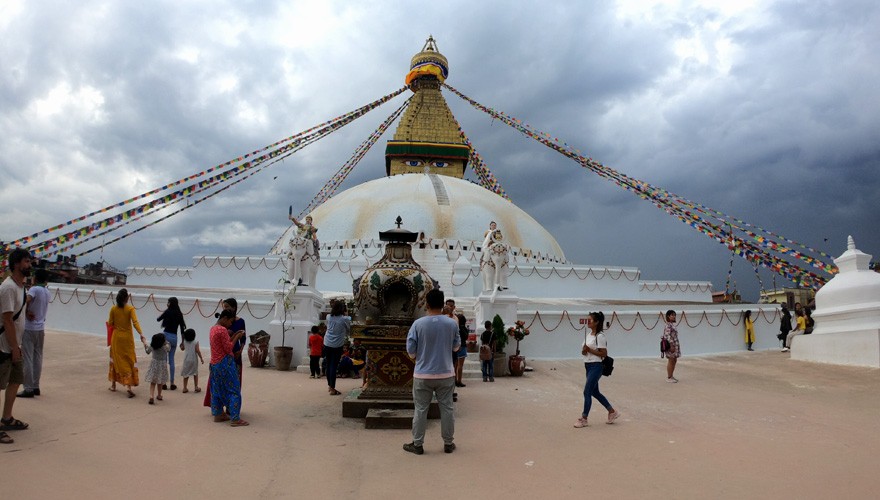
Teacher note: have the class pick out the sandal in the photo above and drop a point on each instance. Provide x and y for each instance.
(198, 389)
(159, 397)
(111, 389)
(239, 423)
(150, 401)
(12, 424)
(334, 392)
(130, 393)
(6, 438)
(184, 391)
(221, 418)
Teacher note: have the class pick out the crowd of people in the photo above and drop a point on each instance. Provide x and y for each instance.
(790, 327)
(437, 342)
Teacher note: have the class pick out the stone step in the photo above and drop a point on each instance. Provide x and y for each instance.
(389, 418)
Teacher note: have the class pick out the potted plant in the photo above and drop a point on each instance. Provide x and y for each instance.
(501, 340)
(517, 363)
(283, 353)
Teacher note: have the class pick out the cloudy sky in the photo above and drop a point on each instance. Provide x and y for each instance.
(767, 111)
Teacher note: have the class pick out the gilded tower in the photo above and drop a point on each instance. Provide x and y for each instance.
(427, 138)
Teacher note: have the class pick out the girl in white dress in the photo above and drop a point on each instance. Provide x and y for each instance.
(157, 374)
(191, 358)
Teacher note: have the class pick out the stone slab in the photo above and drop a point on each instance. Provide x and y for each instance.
(352, 407)
(386, 418)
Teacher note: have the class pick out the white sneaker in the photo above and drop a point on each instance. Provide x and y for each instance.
(672, 380)
(785, 349)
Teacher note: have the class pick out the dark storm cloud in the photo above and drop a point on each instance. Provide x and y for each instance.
(768, 113)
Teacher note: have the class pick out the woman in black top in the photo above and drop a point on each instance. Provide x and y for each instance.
(172, 319)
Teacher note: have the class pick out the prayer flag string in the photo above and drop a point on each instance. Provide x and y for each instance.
(686, 210)
(287, 144)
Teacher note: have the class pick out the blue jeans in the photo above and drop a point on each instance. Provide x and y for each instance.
(488, 368)
(423, 391)
(171, 338)
(591, 389)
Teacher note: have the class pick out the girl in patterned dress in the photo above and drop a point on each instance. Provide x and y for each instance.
(157, 374)
(191, 358)
(674, 352)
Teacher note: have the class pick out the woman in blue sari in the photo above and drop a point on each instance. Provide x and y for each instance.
(224, 383)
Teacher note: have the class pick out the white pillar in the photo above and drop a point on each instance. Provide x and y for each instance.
(302, 306)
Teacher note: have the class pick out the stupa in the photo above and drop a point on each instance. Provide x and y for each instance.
(424, 183)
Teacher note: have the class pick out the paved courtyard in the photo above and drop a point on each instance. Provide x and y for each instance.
(745, 425)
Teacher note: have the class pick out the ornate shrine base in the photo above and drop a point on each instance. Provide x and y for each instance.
(389, 373)
(389, 367)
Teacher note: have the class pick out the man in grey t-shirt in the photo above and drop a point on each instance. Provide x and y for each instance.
(432, 340)
(12, 303)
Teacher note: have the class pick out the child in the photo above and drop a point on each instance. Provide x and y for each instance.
(670, 333)
(190, 365)
(157, 374)
(316, 346)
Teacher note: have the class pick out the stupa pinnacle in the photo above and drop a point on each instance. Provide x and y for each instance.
(427, 137)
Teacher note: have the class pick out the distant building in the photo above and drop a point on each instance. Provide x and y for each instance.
(788, 296)
(726, 298)
(65, 270)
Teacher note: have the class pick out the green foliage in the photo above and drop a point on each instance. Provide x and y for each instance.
(501, 338)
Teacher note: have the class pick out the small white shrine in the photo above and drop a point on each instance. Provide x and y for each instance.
(847, 316)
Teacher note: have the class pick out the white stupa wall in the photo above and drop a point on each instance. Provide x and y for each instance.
(847, 316)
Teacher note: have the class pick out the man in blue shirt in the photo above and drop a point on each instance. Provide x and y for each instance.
(432, 340)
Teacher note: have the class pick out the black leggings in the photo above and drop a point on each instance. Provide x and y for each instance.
(333, 355)
(315, 365)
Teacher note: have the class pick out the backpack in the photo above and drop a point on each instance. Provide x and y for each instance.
(485, 352)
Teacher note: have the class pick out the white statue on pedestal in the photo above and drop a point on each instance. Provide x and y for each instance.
(493, 263)
(303, 256)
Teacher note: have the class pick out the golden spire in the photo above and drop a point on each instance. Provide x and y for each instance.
(427, 137)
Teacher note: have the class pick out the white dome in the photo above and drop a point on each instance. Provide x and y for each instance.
(442, 207)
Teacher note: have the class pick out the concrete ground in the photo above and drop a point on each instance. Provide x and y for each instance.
(745, 425)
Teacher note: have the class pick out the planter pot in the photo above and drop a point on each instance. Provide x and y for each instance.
(472, 343)
(283, 357)
(257, 354)
(517, 365)
(501, 365)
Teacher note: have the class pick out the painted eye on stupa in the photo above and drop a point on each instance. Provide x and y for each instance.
(413, 163)
(440, 164)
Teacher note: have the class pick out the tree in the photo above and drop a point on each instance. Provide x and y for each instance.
(499, 333)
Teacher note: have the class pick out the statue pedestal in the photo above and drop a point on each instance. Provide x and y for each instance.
(304, 305)
(501, 303)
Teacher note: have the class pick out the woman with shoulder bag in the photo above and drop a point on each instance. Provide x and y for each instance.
(595, 348)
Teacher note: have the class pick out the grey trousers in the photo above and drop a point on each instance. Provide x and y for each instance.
(423, 391)
(32, 356)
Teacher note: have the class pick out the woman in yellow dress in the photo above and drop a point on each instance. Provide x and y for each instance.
(750, 329)
(122, 355)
